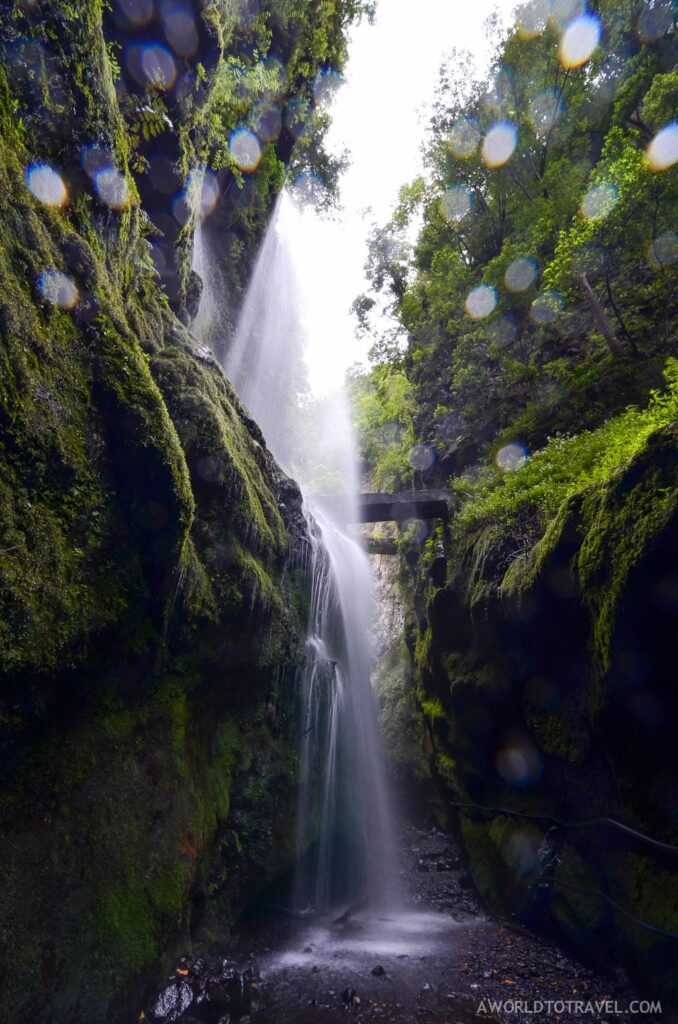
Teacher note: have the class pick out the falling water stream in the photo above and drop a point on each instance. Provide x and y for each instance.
(345, 824)
(347, 909)
(353, 941)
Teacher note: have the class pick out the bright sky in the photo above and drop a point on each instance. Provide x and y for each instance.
(379, 116)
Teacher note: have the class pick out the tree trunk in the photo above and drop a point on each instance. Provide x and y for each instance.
(600, 316)
(620, 318)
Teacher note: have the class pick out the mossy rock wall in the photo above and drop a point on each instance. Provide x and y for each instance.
(151, 601)
(546, 683)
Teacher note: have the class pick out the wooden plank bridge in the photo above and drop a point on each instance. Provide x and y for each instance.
(381, 508)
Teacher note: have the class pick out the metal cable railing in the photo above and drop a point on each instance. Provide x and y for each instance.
(591, 822)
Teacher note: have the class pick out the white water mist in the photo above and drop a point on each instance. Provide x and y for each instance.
(345, 822)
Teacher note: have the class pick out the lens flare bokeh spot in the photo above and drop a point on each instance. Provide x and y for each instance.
(511, 457)
(520, 274)
(95, 158)
(502, 331)
(499, 143)
(209, 195)
(180, 30)
(58, 288)
(662, 152)
(421, 457)
(579, 40)
(663, 251)
(158, 66)
(464, 139)
(599, 201)
(455, 204)
(563, 12)
(326, 86)
(200, 195)
(276, 77)
(520, 849)
(480, 302)
(415, 531)
(519, 762)
(245, 149)
(654, 22)
(544, 111)
(266, 121)
(308, 188)
(497, 98)
(296, 118)
(152, 64)
(46, 184)
(532, 18)
(547, 307)
(112, 188)
(137, 12)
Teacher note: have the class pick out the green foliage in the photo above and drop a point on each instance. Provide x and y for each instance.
(577, 197)
(304, 39)
(534, 492)
(382, 415)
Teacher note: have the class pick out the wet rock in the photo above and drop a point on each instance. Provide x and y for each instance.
(349, 996)
(378, 971)
(199, 968)
(214, 989)
(308, 949)
(172, 1002)
(194, 287)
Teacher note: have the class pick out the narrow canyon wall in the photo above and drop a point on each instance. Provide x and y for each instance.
(152, 604)
(546, 682)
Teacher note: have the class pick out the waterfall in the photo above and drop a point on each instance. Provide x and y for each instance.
(345, 824)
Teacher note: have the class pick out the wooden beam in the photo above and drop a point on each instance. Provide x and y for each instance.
(383, 508)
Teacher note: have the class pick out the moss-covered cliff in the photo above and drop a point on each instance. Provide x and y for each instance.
(151, 602)
(544, 671)
(536, 323)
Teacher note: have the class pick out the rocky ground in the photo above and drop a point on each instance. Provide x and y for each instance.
(443, 960)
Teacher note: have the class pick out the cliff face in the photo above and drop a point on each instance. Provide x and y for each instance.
(392, 678)
(151, 606)
(546, 684)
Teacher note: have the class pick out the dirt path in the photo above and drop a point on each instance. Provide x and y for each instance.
(445, 961)
(441, 960)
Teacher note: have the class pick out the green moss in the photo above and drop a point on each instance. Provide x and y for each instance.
(447, 767)
(126, 935)
(422, 651)
(142, 553)
(529, 497)
(168, 887)
(651, 892)
(554, 734)
(575, 906)
(400, 717)
(433, 709)
(481, 852)
(624, 519)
